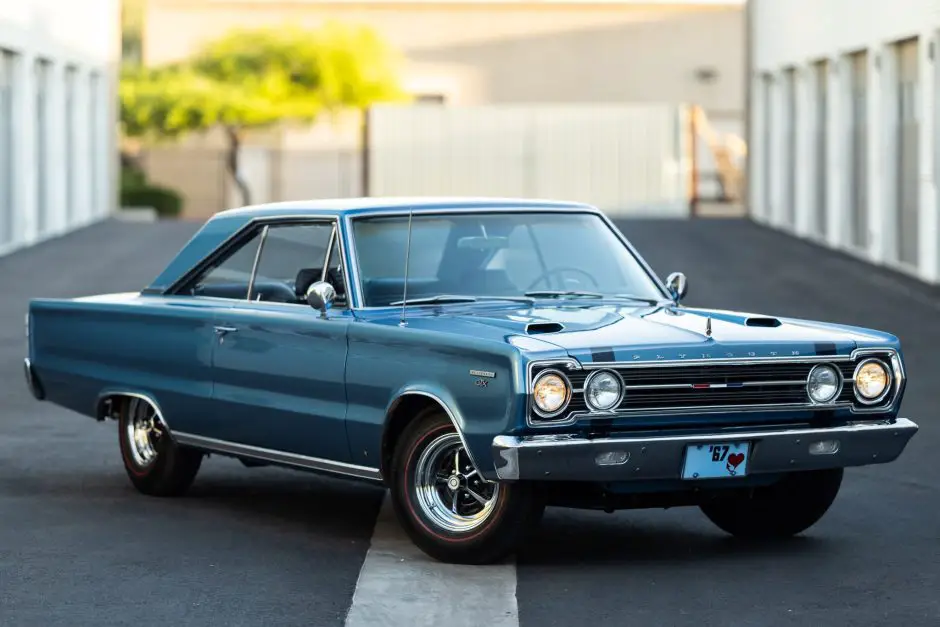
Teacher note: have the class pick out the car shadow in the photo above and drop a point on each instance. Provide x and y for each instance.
(323, 509)
(318, 507)
(569, 537)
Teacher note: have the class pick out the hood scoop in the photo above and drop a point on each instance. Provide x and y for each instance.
(762, 322)
(538, 328)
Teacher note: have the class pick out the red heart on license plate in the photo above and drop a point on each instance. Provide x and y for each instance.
(735, 458)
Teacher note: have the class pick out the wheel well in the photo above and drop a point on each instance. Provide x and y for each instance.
(111, 406)
(401, 413)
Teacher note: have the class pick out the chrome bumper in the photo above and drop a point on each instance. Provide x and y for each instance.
(32, 382)
(566, 458)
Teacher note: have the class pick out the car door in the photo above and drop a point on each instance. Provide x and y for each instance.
(278, 365)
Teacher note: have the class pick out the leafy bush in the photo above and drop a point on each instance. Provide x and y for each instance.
(132, 178)
(167, 202)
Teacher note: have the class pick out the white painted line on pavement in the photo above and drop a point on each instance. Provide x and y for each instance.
(400, 585)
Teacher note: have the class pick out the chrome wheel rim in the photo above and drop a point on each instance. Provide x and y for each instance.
(143, 432)
(450, 491)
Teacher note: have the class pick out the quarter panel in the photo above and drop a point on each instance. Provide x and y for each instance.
(82, 349)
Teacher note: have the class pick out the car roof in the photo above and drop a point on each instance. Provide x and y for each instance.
(369, 205)
(224, 224)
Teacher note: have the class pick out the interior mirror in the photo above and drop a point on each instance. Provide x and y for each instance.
(483, 243)
(320, 295)
(677, 285)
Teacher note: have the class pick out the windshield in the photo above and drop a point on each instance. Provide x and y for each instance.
(496, 255)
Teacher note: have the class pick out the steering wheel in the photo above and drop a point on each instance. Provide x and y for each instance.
(544, 276)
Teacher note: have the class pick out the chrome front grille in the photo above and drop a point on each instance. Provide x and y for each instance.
(677, 388)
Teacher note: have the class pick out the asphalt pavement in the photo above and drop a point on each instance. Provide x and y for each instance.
(79, 546)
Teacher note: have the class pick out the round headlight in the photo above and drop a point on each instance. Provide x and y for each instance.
(872, 380)
(551, 393)
(824, 383)
(602, 390)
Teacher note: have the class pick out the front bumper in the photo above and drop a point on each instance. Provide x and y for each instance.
(568, 458)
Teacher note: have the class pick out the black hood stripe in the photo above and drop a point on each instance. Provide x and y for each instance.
(603, 354)
(825, 348)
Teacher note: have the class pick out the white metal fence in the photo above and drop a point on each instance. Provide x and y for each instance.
(630, 159)
(627, 159)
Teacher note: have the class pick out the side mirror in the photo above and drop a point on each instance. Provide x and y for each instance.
(320, 296)
(677, 285)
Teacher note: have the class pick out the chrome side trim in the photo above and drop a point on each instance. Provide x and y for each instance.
(278, 457)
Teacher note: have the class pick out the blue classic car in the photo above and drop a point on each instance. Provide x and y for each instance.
(482, 359)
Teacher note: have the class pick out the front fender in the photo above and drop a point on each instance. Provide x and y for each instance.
(476, 430)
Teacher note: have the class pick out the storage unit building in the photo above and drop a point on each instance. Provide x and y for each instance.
(58, 142)
(843, 111)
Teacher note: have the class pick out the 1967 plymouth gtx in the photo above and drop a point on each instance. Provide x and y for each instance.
(482, 359)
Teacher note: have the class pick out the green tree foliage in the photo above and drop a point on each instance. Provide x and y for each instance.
(132, 20)
(253, 79)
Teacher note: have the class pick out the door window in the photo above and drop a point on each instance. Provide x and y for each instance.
(277, 263)
(229, 276)
(292, 259)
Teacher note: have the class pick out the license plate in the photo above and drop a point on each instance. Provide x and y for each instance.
(715, 461)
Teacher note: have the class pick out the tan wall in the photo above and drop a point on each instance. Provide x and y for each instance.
(174, 28)
(481, 53)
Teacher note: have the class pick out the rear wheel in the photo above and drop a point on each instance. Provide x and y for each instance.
(154, 463)
(784, 509)
(448, 510)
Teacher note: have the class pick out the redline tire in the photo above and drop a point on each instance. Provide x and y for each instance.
(470, 532)
(155, 464)
(784, 509)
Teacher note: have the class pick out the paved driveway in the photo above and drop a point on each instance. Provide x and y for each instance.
(78, 546)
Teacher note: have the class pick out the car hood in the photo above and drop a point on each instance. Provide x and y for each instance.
(604, 333)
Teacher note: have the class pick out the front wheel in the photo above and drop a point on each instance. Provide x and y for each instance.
(155, 464)
(448, 510)
(787, 508)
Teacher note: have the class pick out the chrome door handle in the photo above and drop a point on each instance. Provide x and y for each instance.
(223, 330)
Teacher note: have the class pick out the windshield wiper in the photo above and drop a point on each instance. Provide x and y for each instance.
(649, 301)
(440, 298)
(514, 299)
(559, 293)
(581, 294)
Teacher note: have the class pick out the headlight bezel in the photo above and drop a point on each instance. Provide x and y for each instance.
(587, 385)
(840, 384)
(889, 375)
(568, 392)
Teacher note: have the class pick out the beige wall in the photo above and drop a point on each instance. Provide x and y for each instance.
(490, 53)
(481, 52)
